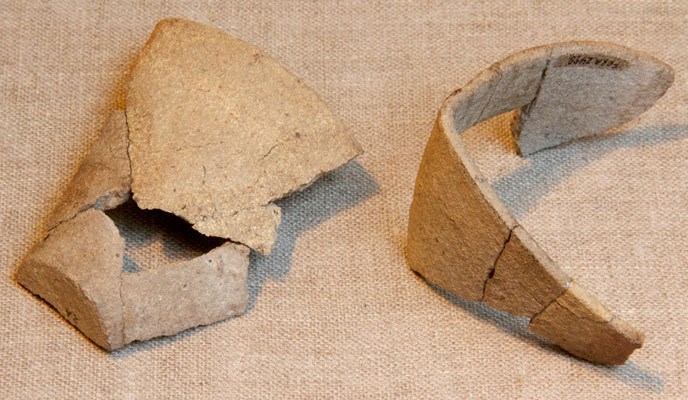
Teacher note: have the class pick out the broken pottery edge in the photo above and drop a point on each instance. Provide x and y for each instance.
(461, 235)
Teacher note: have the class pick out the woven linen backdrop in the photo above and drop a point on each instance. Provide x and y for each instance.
(335, 311)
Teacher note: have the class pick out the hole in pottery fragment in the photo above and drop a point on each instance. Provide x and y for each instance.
(154, 237)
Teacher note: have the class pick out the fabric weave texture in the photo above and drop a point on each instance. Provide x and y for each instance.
(335, 311)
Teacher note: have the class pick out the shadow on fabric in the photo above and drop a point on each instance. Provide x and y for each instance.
(630, 374)
(339, 190)
(522, 189)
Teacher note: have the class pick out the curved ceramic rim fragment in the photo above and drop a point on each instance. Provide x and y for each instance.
(461, 236)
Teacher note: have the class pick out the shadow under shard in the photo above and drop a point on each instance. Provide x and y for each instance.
(336, 191)
(522, 189)
(516, 326)
(632, 375)
(629, 374)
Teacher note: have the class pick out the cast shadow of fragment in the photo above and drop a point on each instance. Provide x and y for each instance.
(632, 375)
(515, 326)
(629, 374)
(522, 189)
(136, 347)
(336, 191)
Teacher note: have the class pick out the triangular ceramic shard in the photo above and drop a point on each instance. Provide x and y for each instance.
(78, 269)
(582, 93)
(103, 180)
(219, 130)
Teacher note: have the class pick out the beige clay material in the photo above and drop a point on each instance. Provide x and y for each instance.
(606, 89)
(438, 240)
(219, 130)
(525, 280)
(461, 236)
(78, 269)
(577, 316)
(103, 180)
(214, 131)
(167, 299)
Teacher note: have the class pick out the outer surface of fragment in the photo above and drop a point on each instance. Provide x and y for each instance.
(219, 130)
(103, 179)
(457, 224)
(581, 325)
(586, 91)
(525, 279)
(77, 270)
(459, 230)
(454, 254)
(171, 298)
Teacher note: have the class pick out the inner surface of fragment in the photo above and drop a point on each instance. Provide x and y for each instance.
(103, 180)
(219, 130)
(461, 236)
(583, 92)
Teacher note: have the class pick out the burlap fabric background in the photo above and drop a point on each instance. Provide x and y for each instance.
(335, 312)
